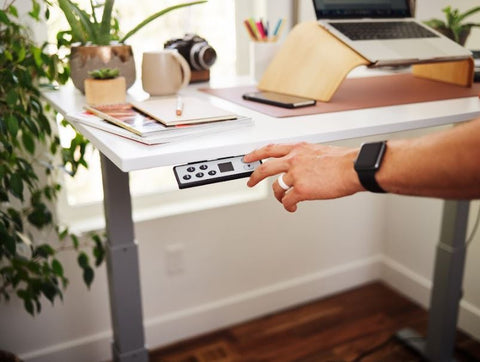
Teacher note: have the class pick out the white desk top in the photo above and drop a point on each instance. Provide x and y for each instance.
(130, 155)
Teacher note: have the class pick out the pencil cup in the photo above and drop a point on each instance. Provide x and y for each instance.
(261, 54)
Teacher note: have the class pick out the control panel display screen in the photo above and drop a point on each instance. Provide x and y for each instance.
(225, 167)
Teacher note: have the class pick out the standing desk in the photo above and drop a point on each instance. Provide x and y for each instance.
(119, 156)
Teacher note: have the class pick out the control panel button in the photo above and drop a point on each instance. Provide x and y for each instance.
(203, 167)
(191, 169)
(248, 166)
(187, 177)
(212, 172)
(199, 174)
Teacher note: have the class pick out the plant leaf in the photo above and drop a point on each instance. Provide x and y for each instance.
(13, 10)
(472, 11)
(4, 18)
(44, 251)
(57, 267)
(82, 260)
(49, 291)
(28, 304)
(11, 97)
(12, 125)
(76, 29)
(40, 216)
(35, 12)
(86, 24)
(98, 250)
(156, 15)
(106, 23)
(16, 185)
(28, 142)
(88, 275)
(75, 241)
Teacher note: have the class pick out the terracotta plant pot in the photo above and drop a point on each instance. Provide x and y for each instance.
(86, 58)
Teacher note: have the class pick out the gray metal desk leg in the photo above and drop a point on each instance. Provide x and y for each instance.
(446, 289)
(122, 267)
(447, 281)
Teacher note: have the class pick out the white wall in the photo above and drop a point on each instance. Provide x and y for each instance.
(246, 260)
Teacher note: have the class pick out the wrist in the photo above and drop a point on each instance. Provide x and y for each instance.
(368, 163)
(354, 184)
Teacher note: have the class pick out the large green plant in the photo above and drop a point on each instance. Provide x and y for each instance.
(454, 26)
(87, 27)
(30, 157)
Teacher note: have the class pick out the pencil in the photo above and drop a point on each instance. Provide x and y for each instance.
(278, 29)
(261, 30)
(250, 31)
(179, 109)
(253, 26)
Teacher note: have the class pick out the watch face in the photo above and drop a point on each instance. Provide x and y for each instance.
(370, 156)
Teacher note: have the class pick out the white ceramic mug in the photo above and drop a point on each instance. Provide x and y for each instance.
(164, 72)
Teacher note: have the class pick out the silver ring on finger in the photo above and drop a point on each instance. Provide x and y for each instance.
(282, 183)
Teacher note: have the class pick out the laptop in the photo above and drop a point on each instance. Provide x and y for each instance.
(385, 32)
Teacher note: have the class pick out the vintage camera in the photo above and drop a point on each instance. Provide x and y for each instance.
(196, 50)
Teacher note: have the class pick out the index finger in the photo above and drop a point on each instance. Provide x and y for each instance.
(272, 150)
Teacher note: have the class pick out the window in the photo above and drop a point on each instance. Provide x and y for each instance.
(154, 192)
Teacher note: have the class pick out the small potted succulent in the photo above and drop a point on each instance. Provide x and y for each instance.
(105, 86)
(454, 26)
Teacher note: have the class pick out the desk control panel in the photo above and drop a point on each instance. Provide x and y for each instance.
(207, 172)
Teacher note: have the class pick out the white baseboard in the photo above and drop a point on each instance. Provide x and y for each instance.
(410, 284)
(418, 289)
(163, 330)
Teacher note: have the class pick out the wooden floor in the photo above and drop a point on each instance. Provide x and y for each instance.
(338, 328)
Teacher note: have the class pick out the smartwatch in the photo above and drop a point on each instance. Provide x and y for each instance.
(368, 162)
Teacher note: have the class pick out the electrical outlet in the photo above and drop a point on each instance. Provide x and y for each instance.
(174, 258)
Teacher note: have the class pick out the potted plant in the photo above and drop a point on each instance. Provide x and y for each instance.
(100, 43)
(105, 86)
(31, 157)
(454, 26)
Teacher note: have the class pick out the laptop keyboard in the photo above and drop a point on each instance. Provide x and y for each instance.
(382, 30)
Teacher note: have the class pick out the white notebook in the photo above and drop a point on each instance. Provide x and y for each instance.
(194, 110)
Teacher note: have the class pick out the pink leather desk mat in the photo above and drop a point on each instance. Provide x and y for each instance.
(359, 93)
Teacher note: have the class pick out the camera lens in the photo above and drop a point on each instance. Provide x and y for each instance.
(202, 56)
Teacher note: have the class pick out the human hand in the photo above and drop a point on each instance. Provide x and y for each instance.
(313, 172)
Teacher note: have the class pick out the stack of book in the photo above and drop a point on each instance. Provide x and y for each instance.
(161, 120)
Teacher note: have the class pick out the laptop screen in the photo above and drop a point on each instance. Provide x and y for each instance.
(354, 9)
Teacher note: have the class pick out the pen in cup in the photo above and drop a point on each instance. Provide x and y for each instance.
(259, 31)
(179, 108)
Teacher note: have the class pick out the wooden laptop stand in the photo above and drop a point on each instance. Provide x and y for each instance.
(312, 63)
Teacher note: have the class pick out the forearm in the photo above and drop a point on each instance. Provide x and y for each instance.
(445, 164)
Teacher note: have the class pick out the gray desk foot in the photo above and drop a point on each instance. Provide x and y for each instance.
(139, 355)
(122, 267)
(415, 342)
(412, 340)
(446, 289)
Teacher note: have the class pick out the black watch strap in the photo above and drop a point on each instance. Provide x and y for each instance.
(367, 179)
(368, 162)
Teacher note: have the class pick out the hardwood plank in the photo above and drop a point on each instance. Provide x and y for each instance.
(338, 328)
